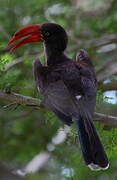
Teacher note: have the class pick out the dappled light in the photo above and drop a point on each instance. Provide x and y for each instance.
(34, 144)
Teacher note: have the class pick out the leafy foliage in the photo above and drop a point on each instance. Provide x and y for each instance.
(24, 132)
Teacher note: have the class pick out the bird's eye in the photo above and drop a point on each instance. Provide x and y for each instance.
(47, 34)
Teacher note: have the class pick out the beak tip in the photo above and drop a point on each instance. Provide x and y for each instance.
(30, 32)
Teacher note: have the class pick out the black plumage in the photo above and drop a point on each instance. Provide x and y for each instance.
(68, 87)
(69, 90)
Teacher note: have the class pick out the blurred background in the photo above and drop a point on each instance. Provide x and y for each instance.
(25, 131)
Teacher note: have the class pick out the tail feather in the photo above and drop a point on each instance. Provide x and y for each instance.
(91, 147)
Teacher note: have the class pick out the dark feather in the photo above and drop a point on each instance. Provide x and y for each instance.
(69, 90)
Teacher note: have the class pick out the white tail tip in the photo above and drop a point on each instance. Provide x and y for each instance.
(96, 167)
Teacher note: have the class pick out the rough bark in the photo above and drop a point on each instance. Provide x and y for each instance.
(36, 103)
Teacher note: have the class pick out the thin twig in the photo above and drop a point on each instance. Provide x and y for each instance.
(16, 61)
(8, 105)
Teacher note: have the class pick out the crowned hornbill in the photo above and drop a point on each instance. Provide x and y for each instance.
(68, 87)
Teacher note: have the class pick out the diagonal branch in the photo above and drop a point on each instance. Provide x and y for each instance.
(36, 103)
(110, 86)
(14, 62)
(110, 69)
(20, 99)
(106, 119)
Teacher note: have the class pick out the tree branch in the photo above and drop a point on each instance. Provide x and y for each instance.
(36, 103)
(14, 62)
(108, 72)
(94, 43)
(109, 86)
(90, 12)
(104, 40)
(6, 173)
(110, 60)
(20, 99)
(106, 119)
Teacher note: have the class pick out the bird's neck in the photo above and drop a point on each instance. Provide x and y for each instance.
(54, 56)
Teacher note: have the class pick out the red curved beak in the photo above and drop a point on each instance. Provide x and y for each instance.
(26, 35)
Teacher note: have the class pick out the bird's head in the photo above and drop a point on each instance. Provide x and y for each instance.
(51, 34)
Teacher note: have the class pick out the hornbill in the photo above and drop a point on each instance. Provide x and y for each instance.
(68, 87)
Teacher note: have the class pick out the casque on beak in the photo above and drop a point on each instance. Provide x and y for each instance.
(24, 36)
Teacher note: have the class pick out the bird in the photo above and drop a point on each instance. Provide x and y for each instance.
(68, 86)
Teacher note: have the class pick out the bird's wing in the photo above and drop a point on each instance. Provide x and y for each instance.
(51, 92)
(86, 68)
(87, 72)
(80, 79)
(73, 87)
(39, 72)
(57, 97)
